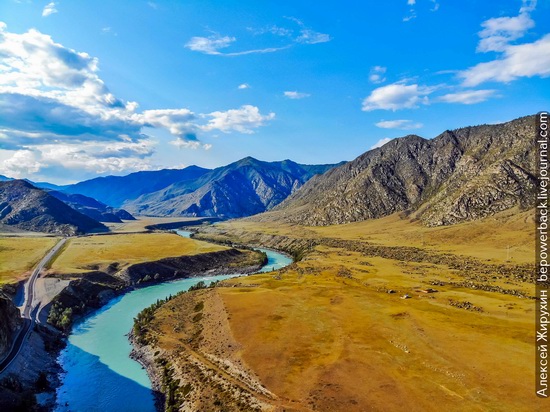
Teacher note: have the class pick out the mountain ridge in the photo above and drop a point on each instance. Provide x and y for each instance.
(460, 175)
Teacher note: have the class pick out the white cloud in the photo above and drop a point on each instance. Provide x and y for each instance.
(179, 122)
(411, 2)
(399, 124)
(209, 45)
(244, 86)
(213, 44)
(524, 60)
(498, 32)
(467, 96)
(190, 144)
(108, 30)
(49, 9)
(376, 75)
(296, 95)
(55, 111)
(21, 164)
(381, 143)
(515, 60)
(397, 96)
(242, 120)
(308, 36)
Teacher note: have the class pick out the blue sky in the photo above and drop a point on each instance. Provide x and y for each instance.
(103, 87)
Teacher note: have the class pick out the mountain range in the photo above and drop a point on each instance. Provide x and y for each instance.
(461, 175)
(242, 188)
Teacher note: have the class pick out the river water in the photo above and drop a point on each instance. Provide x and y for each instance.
(99, 374)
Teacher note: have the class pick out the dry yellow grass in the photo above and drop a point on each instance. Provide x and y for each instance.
(18, 256)
(506, 236)
(345, 344)
(96, 252)
(138, 225)
(327, 335)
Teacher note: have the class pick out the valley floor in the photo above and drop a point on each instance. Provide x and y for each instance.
(379, 315)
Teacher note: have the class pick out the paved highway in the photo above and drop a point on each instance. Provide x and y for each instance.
(29, 311)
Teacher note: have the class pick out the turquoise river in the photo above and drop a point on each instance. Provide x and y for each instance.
(98, 372)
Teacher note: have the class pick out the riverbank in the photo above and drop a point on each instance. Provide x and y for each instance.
(198, 366)
(192, 358)
(36, 370)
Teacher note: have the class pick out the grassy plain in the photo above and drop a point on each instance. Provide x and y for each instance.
(138, 225)
(333, 332)
(97, 252)
(18, 256)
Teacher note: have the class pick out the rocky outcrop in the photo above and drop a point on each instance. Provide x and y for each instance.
(10, 320)
(461, 175)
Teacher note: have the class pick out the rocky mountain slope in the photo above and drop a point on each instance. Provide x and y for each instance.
(115, 190)
(460, 175)
(26, 207)
(92, 208)
(243, 188)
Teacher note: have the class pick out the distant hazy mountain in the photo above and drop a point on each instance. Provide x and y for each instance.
(26, 207)
(243, 188)
(92, 208)
(115, 190)
(461, 175)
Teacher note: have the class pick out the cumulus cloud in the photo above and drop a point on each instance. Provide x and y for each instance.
(498, 32)
(399, 124)
(515, 60)
(376, 75)
(20, 164)
(55, 109)
(49, 9)
(467, 96)
(296, 95)
(397, 96)
(524, 60)
(243, 86)
(243, 120)
(381, 143)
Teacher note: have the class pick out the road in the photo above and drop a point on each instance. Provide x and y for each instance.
(29, 310)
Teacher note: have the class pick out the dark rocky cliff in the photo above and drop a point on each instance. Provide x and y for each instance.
(10, 319)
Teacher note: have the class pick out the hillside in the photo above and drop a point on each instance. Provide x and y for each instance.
(461, 175)
(115, 190)
(26, 207)
(92, 208)
(242, 188)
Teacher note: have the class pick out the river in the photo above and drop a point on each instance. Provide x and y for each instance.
(99, 374)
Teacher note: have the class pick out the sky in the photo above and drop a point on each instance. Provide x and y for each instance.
(94, 88)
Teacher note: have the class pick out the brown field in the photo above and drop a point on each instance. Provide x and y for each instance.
(18, 256)
(326, 335)
(96, 252)
(138, 225)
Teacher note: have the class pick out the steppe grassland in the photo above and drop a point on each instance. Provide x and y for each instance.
(18, 256)
(97, 252)
(327, 331)
(138, 225)
(505, 237)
